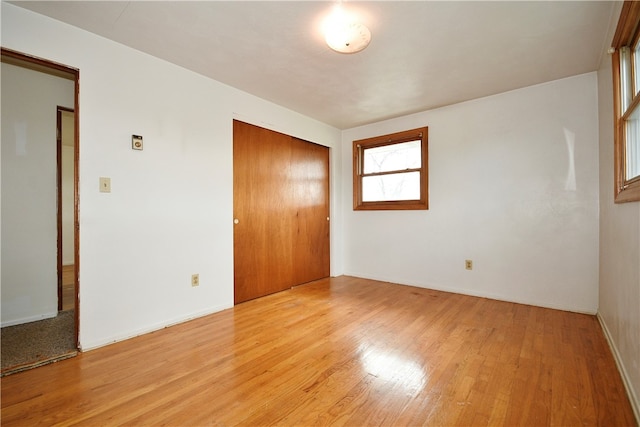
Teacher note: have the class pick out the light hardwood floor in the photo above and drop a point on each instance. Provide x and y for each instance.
(68, 287)
(341, 351)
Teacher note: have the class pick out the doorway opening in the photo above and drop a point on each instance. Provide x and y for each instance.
(40, 228)
(65, 177)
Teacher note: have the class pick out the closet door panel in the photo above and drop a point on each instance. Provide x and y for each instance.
(310, 185)
(263, 212)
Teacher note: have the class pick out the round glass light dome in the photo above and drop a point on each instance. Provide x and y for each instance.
(344, 34)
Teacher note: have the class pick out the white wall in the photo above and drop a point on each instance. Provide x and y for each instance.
(513, 186)
(170, 210)
(619, 303)
(29, 213)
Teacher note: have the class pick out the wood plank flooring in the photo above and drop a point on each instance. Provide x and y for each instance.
(340, 351)
(68, 287)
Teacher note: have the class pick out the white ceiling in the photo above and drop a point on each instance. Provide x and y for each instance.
(423, 54)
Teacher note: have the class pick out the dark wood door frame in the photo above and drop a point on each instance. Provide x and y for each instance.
(20, 59)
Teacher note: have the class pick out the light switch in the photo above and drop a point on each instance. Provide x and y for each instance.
(105, 185)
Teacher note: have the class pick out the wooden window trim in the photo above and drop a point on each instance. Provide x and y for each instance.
(627, 34)
(398, 137)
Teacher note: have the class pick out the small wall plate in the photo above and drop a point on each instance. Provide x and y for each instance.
(136, 142)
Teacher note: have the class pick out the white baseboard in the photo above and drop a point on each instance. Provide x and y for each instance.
(633, 397)
(92, 345)
(476, 293)
(29, 319)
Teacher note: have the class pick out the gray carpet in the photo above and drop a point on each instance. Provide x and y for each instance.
(36, 343)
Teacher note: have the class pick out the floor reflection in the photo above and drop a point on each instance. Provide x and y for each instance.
(396, 369)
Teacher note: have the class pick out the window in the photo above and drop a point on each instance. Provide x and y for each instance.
(390, 171)
(626, 82)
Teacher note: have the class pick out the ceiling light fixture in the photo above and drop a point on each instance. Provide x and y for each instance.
(343, 33)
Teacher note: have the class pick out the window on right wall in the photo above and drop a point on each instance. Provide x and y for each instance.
(390, 171)
(626, 89)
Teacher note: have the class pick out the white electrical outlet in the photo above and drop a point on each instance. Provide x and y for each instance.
(195, 280)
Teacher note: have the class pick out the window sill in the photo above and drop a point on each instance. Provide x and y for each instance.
(391, 206)
(631, 193)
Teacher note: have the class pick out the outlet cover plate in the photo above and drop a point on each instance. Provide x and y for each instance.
(105, 184)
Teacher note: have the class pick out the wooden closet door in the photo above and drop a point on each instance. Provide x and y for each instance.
(263, 212)
(310, 184)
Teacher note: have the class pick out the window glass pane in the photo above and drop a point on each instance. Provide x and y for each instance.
(397, 186)
(401, 156)
(626, 91)
(636, 68)
(633, 144)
